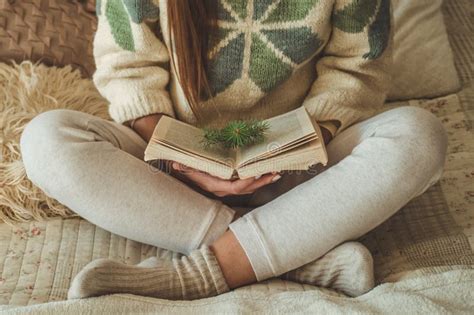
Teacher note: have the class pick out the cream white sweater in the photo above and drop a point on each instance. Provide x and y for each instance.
(267, 57)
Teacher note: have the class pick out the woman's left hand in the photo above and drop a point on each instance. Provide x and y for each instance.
(221, 187)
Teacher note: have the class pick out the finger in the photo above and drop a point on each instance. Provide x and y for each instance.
(183, 168)
(222, 186)
(209, 182)
(232, 187)
(178, 166)
(237, 186)
(201, 179)
(263, 181)
(258, 183)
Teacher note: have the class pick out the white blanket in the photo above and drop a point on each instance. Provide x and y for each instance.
(451, 292)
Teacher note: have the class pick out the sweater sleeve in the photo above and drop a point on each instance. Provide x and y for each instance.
(353, 72)
(131, 60)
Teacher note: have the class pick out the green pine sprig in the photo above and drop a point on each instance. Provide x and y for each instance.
(236, 134)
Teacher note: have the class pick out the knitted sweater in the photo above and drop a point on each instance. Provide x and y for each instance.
(267, 57)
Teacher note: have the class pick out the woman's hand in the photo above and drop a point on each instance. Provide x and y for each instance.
(221, 187)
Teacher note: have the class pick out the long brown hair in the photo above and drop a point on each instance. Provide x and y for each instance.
(190, 22)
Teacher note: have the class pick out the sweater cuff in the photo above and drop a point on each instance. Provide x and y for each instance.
(140, 105)
(325, 111)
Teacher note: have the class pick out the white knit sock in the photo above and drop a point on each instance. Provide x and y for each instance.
(195, 276)
(347, 268)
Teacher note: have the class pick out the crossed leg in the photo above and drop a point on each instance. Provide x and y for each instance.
(377, 166)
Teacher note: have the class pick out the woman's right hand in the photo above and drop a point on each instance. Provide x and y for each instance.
(221, 187)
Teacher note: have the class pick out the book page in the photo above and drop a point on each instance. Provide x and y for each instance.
(300, 158)
(281, 150)
(284, 130)
(161, 152)
(187, 138)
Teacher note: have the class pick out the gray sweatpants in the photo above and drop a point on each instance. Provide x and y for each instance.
(96, 168)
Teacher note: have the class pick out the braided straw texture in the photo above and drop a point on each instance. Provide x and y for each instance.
(55, 32)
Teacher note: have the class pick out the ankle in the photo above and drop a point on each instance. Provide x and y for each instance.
(233, 261)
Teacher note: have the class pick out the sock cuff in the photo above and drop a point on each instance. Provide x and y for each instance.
(214, 269)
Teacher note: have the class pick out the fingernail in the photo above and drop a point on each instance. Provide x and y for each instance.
(274, 179)
(258, 177)
(175, 166)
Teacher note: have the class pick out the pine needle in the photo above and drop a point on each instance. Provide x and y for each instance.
(236, 134)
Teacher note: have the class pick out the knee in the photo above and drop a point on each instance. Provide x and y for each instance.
(426, 138)
(41, 142)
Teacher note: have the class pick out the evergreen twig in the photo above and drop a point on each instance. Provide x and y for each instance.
(236, 134)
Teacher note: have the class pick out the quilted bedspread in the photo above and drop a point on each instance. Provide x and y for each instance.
(433, 233)
(423, 255)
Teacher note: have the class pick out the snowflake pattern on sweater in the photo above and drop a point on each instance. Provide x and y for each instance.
(263, 41)
(266, 57)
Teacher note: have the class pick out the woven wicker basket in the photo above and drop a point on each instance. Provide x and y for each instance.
(55, 32)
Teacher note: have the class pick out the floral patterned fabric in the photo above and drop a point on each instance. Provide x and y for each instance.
(432, 233)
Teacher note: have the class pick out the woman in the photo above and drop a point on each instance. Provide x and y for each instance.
(206, 64)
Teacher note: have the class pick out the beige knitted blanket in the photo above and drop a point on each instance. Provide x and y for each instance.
(445, 293)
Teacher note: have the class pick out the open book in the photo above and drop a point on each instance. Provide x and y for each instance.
(292, 142)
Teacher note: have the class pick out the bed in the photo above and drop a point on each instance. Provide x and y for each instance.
(423, 255)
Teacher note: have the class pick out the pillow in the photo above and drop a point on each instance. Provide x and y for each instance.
(55, 32)
(423, 64)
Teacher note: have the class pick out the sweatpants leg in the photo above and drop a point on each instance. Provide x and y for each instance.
(377, 166)
(95, 167)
